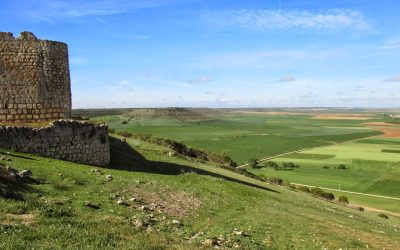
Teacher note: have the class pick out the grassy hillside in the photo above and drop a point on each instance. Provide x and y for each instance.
(153, 201)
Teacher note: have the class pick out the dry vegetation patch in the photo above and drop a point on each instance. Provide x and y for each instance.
(374, 240)
(161, 199)
(12, 219)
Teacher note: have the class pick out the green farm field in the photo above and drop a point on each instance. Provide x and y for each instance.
(372, 162)
(245, 136)
(369, 169)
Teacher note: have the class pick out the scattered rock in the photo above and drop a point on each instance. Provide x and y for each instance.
(25, 174)
(138, 224)
(211, 243)
(123, 139)
(236, 245)
(113, 196)
(122, 202)
(145, 208)
(91, 205)
(176, 222)
(95, 170)
(11, 170)
(109, 177)
(238, 232)
(196, 235)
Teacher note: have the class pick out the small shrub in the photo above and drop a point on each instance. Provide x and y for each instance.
(124, 122)
(343, 199)
(328, 196)
(271, 164)
(253, 162)
(303, 189)
(276, 181)
(326, 167)
(317, 191)
(290, 165)
(361, 209)
(321, 193)
(111, 130)
(384, 216)
(342, 166)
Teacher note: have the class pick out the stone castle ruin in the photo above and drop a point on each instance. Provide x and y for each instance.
(34, 79)
(35, 88)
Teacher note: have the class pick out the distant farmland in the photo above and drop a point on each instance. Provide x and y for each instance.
(243, 136)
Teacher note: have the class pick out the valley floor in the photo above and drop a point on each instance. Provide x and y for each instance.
(149, 200)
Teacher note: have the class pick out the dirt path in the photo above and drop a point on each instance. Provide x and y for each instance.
(350, 192)
(305, 149)
(371, 209)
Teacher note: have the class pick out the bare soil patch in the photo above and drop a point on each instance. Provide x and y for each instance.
(25, 219)
(389, 130)
(342, 117)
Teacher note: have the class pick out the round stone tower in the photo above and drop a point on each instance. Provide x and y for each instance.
(34, 79)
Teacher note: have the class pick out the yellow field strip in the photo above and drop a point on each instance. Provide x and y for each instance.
(305, 149)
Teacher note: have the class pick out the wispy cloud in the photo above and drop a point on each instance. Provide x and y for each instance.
(268, 19)
(200, 80)
(267, 58)
(49, 10)
(287, 79)
(391, 43)
(393, 79)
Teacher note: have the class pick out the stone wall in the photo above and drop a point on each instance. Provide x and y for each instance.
(80, 142)
(34, 79)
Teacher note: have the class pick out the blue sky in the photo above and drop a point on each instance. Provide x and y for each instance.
(222, 53)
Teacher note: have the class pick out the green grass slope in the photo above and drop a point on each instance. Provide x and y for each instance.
(172, 203)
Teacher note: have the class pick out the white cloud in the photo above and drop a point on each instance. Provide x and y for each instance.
(269, 19)
(201, 79)
(393, 79)
(287, 79)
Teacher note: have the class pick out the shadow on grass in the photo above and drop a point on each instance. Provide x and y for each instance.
(124, 157)
(16, 188)
(18, 156)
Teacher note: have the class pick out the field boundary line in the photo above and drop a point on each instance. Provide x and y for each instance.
(349, 192)
(305, 149)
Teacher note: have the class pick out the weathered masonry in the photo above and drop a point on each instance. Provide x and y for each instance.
(66, 140)
(35, 87)
(34, 79)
